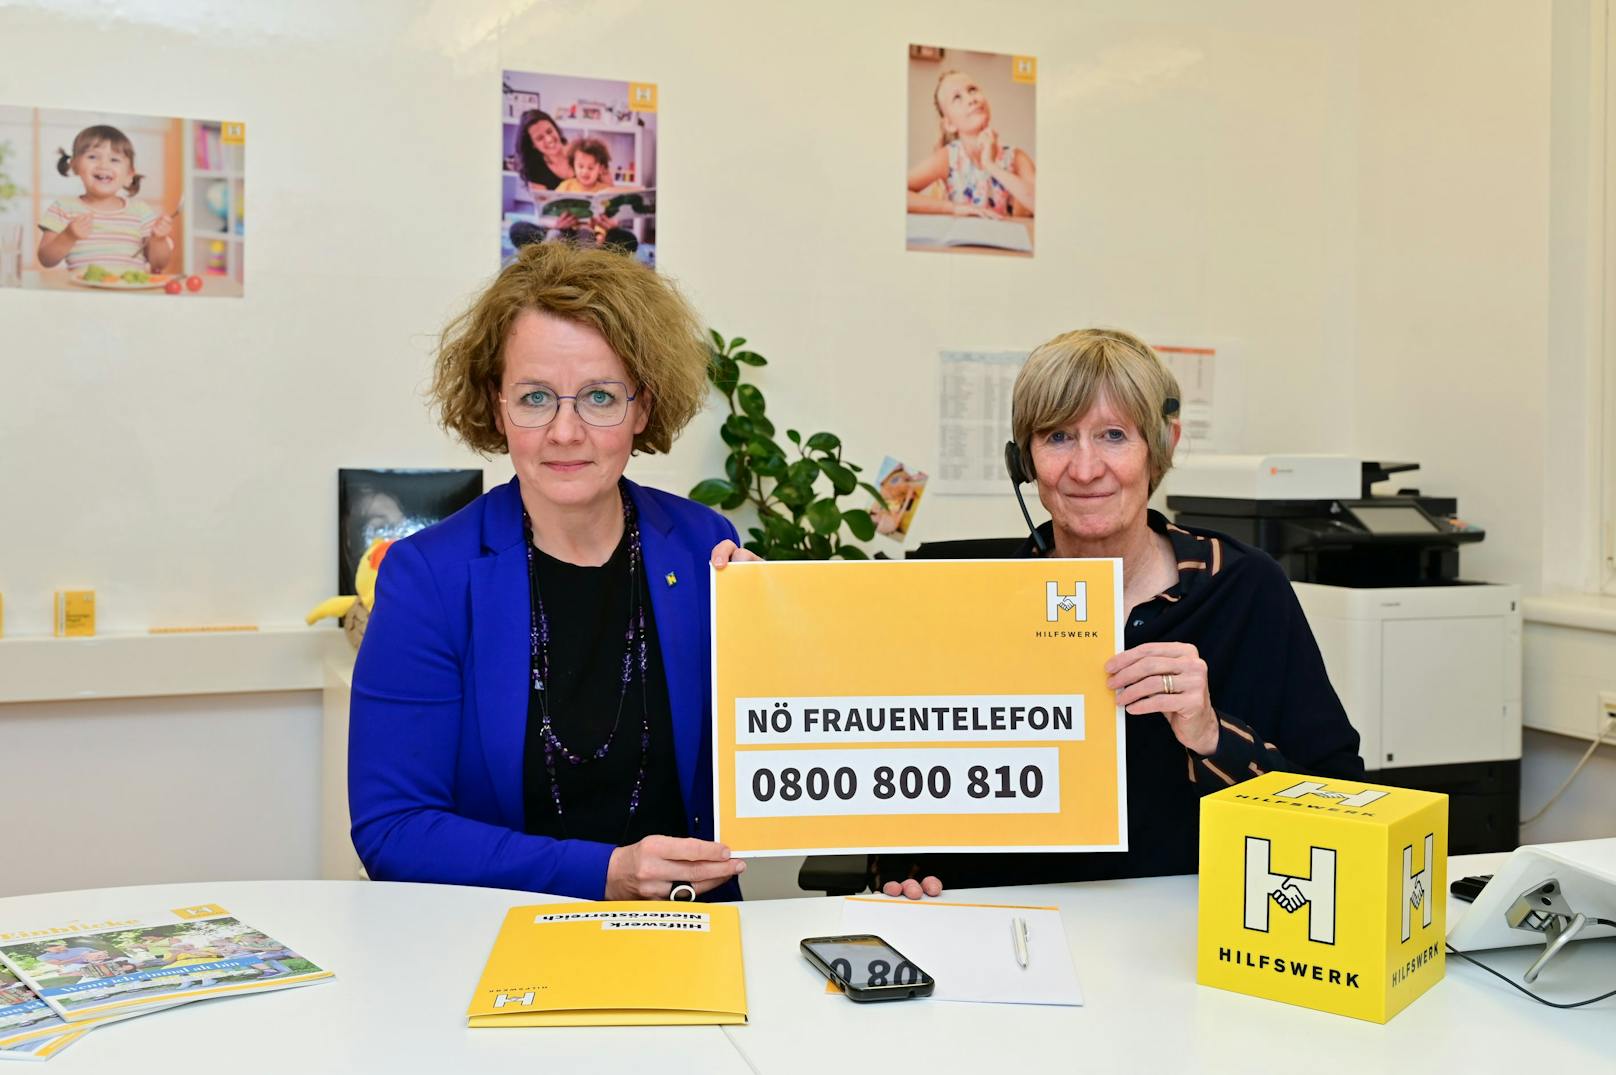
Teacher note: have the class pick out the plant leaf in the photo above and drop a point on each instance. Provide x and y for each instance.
(841, 479)
(803, 472)
(718, 341)
(763, 425)
(761, 445)
(726, 374)
(824, 442)
(751, 358)
(880, 498)
(792, 495)
(819, 545)
(751, 399)
(852, 552)
(782, 532)
(736, 342)
(859, 521)
(730, 503)
(824, 516)
(712, 491)
(770, 466)
(795, 437)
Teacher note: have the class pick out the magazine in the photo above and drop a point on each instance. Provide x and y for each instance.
(613, 204)
(30, 1029)
(89, 970)
(46, 1047)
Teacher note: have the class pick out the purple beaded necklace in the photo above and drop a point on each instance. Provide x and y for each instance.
(634, 645)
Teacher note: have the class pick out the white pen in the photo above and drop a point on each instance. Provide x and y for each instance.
(1018, 939)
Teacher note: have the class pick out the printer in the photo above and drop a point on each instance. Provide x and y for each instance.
(1427, 664)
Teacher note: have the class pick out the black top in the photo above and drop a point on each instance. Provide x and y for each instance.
(543, 176)
(588, 609)
(1276, 710)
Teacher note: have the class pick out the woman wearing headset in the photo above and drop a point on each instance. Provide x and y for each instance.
(1218, 663)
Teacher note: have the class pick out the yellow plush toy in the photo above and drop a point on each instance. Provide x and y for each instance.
(354, 611)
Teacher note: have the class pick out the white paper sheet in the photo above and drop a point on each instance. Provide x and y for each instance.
(967, 948)
(974, 410)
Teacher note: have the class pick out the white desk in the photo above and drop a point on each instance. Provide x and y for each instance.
(407, 957)
(1134, 946)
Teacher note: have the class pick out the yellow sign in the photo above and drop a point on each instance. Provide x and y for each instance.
(642, 96)
(1329, 894)
(613, 964)
(1024, 69)
(918, 705)
(233, 134)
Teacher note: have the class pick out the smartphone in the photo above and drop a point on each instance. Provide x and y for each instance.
(867, 968)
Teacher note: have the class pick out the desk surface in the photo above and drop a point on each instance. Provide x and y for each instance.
(408, 956)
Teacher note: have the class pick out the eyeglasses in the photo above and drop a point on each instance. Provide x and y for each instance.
(604, 403)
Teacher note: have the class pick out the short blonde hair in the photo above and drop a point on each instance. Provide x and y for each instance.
(1064, 377)
(641, 316)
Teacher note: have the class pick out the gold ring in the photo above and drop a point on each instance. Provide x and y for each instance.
(1167, 683)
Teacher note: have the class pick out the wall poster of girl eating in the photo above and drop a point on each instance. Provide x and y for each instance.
(107, 201)
(973, 184)
(579, 163)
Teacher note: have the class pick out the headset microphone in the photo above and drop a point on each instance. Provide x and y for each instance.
(1019, 476)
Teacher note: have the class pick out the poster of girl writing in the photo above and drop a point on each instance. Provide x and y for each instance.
(973, 180)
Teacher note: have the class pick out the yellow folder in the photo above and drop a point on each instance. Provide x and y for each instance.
(613, 964)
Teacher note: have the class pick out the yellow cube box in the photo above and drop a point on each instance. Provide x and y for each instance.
(1326, 893)
(75, 614)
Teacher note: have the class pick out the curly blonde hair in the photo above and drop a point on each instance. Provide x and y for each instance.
(641, 316)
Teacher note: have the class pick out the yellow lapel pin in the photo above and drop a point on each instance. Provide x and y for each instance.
(673, 580)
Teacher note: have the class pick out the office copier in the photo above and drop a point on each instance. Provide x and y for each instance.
(1427, 664)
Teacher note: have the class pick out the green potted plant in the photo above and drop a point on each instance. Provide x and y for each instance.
(796, 492)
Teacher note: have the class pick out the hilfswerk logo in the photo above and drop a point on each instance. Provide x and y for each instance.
(1312, 893)
(512, 998)
(1077, 602)
(1417, 886)
(1312, 787)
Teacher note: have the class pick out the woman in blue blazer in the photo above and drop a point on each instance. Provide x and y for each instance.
(530, 703)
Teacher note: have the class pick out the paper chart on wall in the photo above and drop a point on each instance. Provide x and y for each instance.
(973, 409)
(1196, 368)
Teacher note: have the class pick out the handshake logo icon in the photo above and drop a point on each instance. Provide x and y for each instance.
(1313, 891)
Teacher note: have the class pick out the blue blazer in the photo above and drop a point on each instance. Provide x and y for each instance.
(440, 696)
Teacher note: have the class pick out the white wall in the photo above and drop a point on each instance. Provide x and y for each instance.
(1355, 196)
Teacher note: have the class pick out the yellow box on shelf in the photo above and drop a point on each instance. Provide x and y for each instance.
(1325, 893)
(75, 614)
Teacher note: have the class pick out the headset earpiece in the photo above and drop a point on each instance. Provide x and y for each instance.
(1014, 465)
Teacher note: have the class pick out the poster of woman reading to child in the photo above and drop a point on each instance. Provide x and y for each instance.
(579, 163)
(97, 202)
(972, 182)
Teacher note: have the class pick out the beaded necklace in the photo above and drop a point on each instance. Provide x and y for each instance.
(634, 646)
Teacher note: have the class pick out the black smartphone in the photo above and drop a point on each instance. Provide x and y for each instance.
(867, 968)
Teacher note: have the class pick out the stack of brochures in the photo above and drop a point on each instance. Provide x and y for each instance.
(60, 980)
